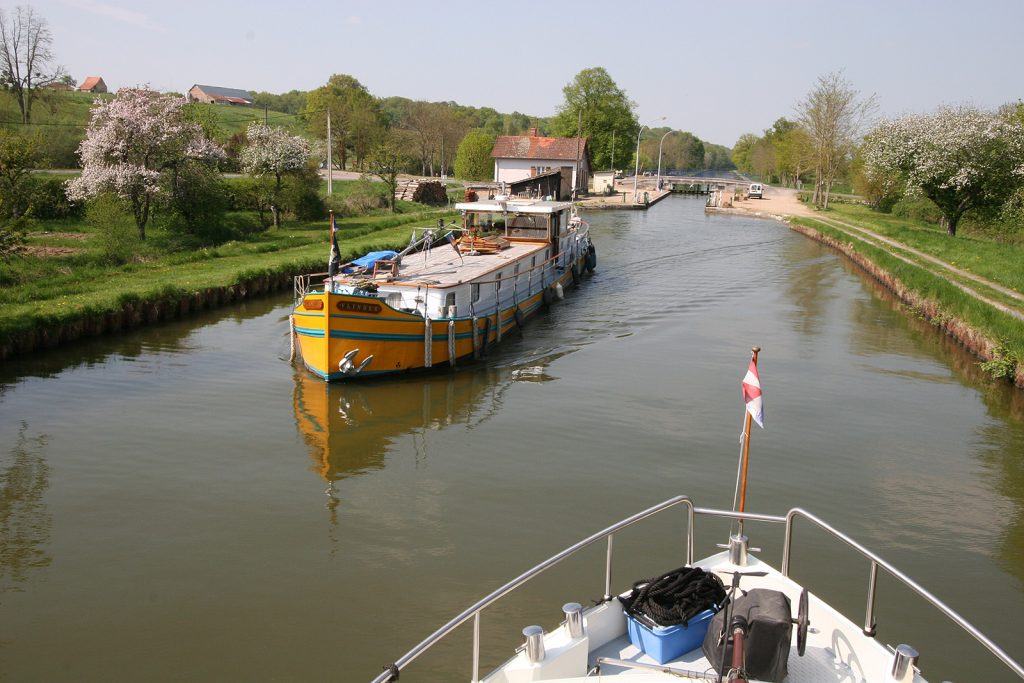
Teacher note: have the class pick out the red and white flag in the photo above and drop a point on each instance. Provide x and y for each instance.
(752, 394)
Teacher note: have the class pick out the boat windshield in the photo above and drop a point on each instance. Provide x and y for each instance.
(522, 225)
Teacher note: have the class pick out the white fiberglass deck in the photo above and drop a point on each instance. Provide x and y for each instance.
(836, 650)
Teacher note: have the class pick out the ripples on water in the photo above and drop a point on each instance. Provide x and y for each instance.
(186, 504)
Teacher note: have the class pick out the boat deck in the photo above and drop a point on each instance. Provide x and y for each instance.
(442, 267)
(829, 655)
(837, 650)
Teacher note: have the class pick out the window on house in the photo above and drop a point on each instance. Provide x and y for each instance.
(475, 291)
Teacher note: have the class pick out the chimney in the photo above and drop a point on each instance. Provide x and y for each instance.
(532, 132)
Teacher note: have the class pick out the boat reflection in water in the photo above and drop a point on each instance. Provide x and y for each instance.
(349, 427)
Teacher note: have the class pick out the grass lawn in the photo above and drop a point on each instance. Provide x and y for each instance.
(64, 277)
(927, 284)
(997, 261)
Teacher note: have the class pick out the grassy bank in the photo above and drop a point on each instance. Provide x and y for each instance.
(997, 261)
(988, 332)
(57, 291)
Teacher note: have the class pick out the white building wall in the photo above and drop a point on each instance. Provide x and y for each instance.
(511, 170)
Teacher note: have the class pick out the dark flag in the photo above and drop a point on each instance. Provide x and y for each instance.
(334, 264)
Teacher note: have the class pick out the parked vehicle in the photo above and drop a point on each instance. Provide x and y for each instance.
(756, 191)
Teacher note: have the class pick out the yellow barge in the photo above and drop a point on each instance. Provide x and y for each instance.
(434, 305)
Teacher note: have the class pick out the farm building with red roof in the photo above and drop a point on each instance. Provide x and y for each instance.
(518, 157)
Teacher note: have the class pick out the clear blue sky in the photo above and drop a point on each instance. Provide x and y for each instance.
(716, 69)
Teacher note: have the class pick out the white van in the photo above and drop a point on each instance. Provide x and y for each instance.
(756, 191)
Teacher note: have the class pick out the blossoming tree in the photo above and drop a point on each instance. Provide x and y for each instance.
(132, 143)
(273, 154)
(960, 158)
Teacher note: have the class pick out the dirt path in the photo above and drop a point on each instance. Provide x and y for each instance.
(777, 201)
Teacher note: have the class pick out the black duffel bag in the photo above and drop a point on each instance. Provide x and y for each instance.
(674, 597)
(769, 632)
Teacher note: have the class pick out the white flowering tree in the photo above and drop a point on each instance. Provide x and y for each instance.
(133, 142)
(273, 154)
(961, 158)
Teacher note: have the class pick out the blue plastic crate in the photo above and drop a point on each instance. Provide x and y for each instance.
(663, 644)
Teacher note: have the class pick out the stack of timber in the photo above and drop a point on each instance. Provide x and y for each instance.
(482, 245)
(406, 189)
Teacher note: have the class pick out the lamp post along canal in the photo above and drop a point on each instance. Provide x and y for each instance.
(636, 171)
(658, 186)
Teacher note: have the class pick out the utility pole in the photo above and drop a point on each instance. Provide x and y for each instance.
(330, 167)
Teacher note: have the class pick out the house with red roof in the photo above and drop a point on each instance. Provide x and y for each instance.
(93, 84)
(520, 157)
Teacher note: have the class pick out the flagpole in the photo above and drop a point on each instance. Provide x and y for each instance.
(747, 424)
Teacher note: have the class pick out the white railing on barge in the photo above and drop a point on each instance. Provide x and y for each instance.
(391, 672)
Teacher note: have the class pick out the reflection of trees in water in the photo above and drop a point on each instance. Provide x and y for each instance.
(883, 325)
(808, 284)
(170, 336)
(24, 518)
(1002, 449)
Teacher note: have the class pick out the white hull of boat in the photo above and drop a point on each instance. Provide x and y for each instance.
(837, 650)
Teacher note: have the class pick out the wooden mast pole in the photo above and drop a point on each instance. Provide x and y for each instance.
(746, 447)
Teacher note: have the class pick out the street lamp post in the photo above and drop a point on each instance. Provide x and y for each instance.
(658, 186)
(636, 171)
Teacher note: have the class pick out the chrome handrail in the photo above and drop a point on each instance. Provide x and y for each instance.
(869, 626)
(876, 562)
(474, 611)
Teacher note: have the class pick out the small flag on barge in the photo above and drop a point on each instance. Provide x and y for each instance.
(334, 262)
(752, 393)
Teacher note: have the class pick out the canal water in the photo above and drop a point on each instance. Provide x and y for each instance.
(182, 504)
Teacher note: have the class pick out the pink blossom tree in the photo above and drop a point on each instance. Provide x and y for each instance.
(132, 144)
(960, 158)
(271, 153)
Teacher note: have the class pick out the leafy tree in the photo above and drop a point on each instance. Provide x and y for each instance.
(356, 118)
(272, 154)
(717, 157)
(196, 200)
(291, 102)
(386, 161)
(794, 154)
(435, 130)
(960, 158)
(202, 114)
(762, 159)
(833, 114)
(19, 154)
(742, 151)
(107, 216)
(25, 56)
(881, 189)
(596, 108)
(133, 143)
(12, 237)
(680, 150)
(473, 160)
